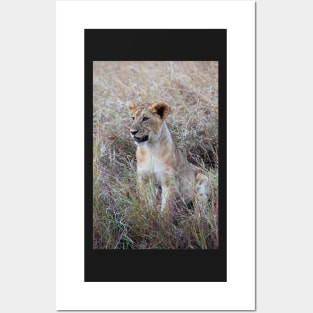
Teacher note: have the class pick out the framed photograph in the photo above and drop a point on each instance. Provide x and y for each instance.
(178, 108)
(155, 155)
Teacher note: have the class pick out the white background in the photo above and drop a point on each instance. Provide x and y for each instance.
(284, 156)
(239, 290)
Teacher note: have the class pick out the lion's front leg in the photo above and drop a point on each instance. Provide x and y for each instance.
(169, 191)
(145, 188)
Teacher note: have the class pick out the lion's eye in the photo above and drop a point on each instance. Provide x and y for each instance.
(145, 119)
(132, 118)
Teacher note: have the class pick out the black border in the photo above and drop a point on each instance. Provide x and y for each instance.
(153, 45)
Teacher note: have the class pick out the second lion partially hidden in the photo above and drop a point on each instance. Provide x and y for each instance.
(159, 160)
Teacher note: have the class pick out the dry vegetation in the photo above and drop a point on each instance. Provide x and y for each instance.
(120, 221)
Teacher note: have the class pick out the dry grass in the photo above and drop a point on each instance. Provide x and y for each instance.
(120, 221)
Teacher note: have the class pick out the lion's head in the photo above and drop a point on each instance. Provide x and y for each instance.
(146, 121)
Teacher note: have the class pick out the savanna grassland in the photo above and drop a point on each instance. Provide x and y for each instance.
(120, 220)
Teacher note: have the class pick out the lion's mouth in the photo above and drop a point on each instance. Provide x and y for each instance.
(141, 139)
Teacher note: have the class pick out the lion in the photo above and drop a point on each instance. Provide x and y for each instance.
(160, 161)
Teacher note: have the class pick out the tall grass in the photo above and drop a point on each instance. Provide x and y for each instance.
(120, 220)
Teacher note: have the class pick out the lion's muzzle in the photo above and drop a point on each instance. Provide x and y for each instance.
(141, 139)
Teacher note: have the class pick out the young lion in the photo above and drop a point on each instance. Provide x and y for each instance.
(160, 161)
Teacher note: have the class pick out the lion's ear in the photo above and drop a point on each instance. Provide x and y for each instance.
(131, 106)
(161, 109)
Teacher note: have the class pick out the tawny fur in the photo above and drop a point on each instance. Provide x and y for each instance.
(160, 161)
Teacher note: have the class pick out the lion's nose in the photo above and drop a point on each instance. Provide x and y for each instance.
(133, 132)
